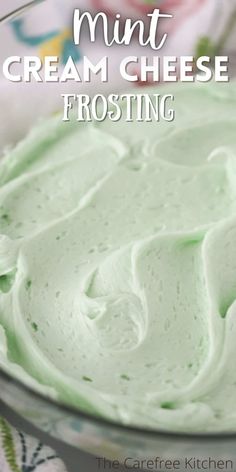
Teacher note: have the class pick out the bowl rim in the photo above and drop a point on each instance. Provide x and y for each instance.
(96, 420)
(17, 11)
(100, 421)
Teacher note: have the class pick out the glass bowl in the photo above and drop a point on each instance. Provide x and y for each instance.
(115, 442)
(95, 435)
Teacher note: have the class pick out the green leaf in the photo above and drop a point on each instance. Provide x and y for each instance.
(205, 47)
(8, 445)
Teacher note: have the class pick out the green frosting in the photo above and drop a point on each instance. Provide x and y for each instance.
(118, 264)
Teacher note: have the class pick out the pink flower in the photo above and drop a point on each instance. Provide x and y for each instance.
(181, 10)
(138, 8)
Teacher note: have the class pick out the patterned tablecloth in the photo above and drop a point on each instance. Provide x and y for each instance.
(22, 453)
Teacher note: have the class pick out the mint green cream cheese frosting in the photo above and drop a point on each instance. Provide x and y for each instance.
(118, 264)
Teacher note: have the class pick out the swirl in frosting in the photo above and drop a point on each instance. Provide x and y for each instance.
(118, 264)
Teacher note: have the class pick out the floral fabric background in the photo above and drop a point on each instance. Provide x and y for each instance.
(198, 26)
(21, 453)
